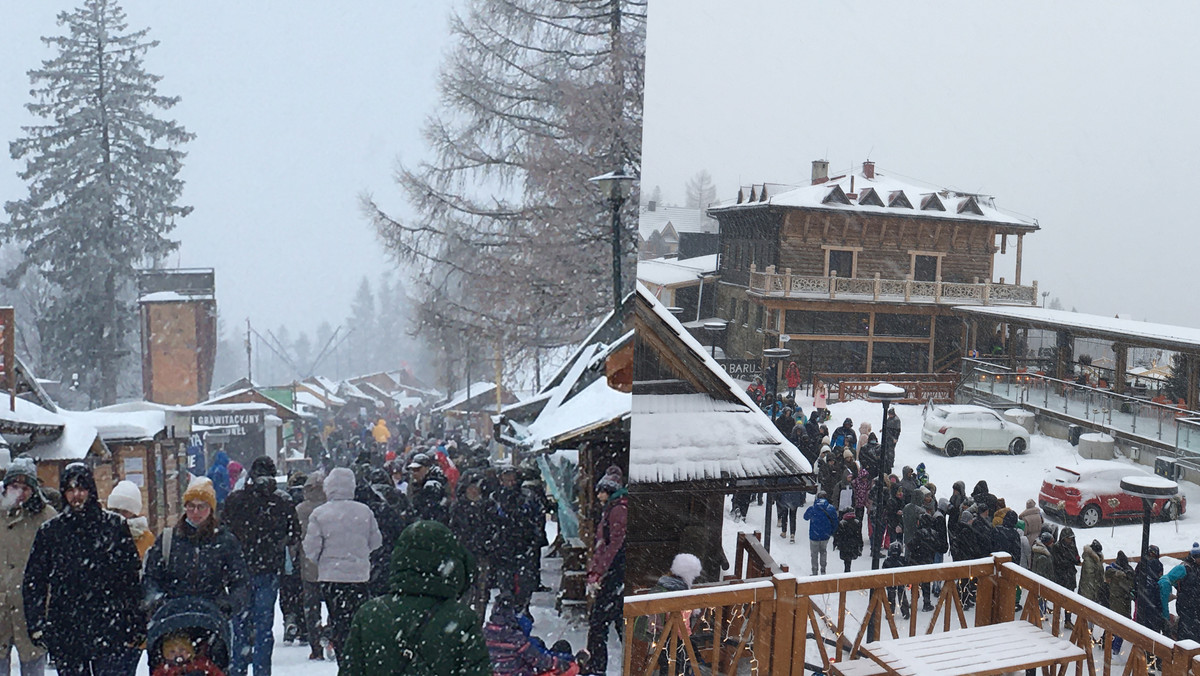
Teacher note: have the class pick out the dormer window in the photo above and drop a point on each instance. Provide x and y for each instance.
(869, 196)
(970, 206)
(898, 200)
(931, 202)
(836, 196)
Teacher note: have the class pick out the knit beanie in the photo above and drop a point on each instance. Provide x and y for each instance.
(201, 488)
(126, 496)
(23, 468)
(612, 481)
(1195, 553)
(687, 567)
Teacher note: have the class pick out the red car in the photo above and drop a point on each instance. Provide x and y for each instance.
(1090, 492)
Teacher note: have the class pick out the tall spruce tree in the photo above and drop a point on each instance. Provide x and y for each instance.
(102, 172)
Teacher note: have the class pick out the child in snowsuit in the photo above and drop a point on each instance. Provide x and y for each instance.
(180, 658)
(895, 559)
(513, 652)
(848, 539)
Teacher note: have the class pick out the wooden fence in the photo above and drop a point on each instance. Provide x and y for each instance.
(918, 387)
(767, 626)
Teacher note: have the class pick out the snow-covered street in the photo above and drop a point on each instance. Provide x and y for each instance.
(1014, 478)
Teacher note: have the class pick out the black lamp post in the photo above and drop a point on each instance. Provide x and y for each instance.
(615, 185)
(1149, 489)
(714, 327)
(772, 355)
(884, 393)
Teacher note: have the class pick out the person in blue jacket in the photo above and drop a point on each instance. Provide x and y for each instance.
(1186, 578)
(822, 520)
(219, 474)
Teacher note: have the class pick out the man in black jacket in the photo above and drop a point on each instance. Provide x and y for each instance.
(82, 585)
(264, 521)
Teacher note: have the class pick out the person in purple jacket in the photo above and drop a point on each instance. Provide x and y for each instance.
(511, 649)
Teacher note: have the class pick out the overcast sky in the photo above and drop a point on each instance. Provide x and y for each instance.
(297, 107)
(1081, 115)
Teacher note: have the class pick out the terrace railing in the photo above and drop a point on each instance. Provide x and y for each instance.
(784, 625)
(919, 388)
(785, 284)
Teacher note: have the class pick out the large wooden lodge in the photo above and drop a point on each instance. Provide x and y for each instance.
(861, 271)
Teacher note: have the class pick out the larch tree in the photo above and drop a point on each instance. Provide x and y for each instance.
(507, 241)
(103, 177)
(700, 191)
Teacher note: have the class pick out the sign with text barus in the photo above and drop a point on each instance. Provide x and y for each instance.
(742, 369)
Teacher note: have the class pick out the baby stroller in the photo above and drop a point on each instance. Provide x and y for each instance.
(198, 619)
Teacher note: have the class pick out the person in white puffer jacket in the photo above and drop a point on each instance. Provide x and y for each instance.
(341, 535)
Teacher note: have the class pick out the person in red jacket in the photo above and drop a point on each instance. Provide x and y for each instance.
(792, 376)
(606, 571)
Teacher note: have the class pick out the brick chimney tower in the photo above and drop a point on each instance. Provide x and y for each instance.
(868, 169)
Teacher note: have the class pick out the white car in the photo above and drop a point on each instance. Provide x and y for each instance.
(955, 428)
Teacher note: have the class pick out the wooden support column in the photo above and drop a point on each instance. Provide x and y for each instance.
(1121, 357)
(1193, 381)
(932, 342)
(1020, 242)
(1011, 347)
(974, 339)
(1062, 341)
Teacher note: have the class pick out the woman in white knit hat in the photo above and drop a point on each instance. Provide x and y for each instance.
(126, 500)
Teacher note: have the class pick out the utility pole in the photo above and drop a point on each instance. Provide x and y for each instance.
(249, 361)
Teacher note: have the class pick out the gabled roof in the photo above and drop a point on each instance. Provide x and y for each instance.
(701, 426)
(834, 194)
(681, 219)
(662, 272)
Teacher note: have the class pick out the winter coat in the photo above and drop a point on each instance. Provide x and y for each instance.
(82, 587)
(964, 544)
(848, 539)
(1066, 559)
(792, 375)
(1043, 562)
(204, 564)
(1147, 602)
(791, 499)
(610, 535)
(143, 537)
(380, 432)
(1032, 516)
(391, 523)
(219, 473)
(430, 570)
(980, 490)
(342, 533)
(848, 436)
(474, 524)
(895, 557)
(1006, 537)
(829, 473)
(430, 500)
(264, 522)
(314, 496)
(18, 527)
(515, 534)
(822, 519)
(1120, 588)
(511, 651)
(921, 541)
(862, 488)
(912, 512)
(1091, 575)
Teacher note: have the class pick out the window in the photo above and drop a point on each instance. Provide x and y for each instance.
(829, 356)
(914, 326)
(925, 268)
(758, 317)
(827, 323)
(732, 310)
(899, 357)
(842, 262)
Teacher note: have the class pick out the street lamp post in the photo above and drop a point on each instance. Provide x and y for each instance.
(772, 355)
(1149, 489)
(615, 185)
(884, 393)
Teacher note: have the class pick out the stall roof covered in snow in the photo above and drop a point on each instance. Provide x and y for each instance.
(1162, 336)
(882, 194)
(672, 272)
(65, 437)
(474, 391)
(704, 427)
(123, 425)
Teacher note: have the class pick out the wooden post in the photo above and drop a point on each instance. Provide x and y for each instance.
(907, 288)
(1122, 362)
(1181, 657)
(876, 287)
(1005, 592)
(932, 342)
(833, 284)
(1020, 243)
(803, 609)
(1193, 381)
(787, 282)
(783, 654)
(984, 591)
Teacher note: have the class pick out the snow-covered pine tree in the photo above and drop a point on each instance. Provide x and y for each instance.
(361, 342)
(700, 190)
(102, 172)
(508, 239)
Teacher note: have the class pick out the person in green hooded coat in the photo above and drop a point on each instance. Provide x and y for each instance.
(419, 627)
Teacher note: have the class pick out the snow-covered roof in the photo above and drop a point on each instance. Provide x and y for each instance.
(595, 406)
(460, 397)
(705, 435)
(132, 425)
(1166, 336)
(74, 443)
(682, 219)
(670, 271)
(173, 297)
(882, 194)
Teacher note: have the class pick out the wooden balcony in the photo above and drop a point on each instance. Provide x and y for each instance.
(781, 624)
(786, 285)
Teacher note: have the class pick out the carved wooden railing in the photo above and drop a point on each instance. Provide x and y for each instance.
(765, 626)
(785, 284)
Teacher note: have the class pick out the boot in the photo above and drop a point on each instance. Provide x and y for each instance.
(793, 540)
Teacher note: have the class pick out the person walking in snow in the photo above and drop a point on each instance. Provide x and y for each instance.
(1032, 516)
(198, 558)
(340, 537)
(789, 503)
(428, 488)
(822, 521)
(218, 473)
(126, 500)
(848, 539)
(419, 627)
(1091, 573)
(310, 585)
(473, 522)
(895, 559)
(1186, 579)
(685, 568)
(1147, 602)
(1066, 561)
(1119, 578)
(515, 539)
(263, 519)
(22, 512)
(792, 376)
(606, 570)
(82, 587)
(846, 434)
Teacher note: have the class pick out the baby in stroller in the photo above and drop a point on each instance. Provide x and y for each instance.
(188, 637)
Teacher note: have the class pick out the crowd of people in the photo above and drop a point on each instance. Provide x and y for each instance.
(386, 560)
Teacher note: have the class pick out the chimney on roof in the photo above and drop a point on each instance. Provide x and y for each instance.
(820, 171)
(868, 169)
(651, 205)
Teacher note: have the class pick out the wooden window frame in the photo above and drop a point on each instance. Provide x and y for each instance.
(854, 251)
(912, 262)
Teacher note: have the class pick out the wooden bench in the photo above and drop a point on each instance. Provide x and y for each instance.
(977, 651)
(860, 667)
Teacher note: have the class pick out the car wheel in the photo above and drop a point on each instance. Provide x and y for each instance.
(1090, 516)
(954, 448)
(1017, 447)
